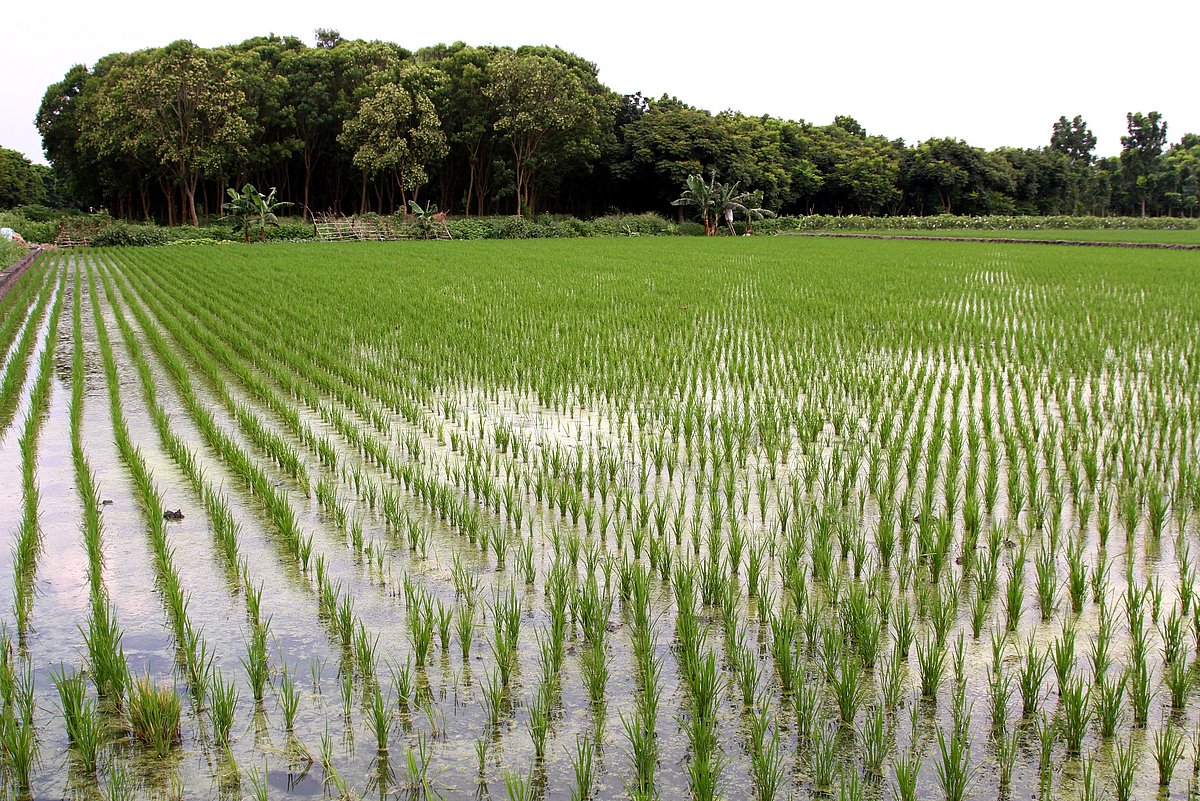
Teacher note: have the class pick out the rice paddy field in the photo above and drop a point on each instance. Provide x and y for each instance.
(761, 518)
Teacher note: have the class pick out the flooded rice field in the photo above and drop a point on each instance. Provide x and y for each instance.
(601, 520)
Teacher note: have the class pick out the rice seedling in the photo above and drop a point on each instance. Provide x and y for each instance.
(154, 715)
(223, 699)
(289, 697)
(1124, 767)
(583, 768)
(379, 718)
(1168, 751)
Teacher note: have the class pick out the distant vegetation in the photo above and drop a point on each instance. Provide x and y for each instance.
(356, 126)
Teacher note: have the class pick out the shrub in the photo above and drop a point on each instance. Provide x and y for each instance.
(122, 234)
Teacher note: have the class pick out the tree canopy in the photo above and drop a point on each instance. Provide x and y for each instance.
(355, 126)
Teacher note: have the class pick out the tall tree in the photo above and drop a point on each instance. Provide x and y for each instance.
(1140, 152)
(184, 105)
(548, 116)
(396, 131)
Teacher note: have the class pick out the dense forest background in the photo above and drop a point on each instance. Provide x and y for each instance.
(357, 126)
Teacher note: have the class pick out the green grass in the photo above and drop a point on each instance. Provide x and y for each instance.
(1185, 237)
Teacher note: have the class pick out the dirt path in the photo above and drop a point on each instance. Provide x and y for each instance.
(11, 274)
(1004, 240)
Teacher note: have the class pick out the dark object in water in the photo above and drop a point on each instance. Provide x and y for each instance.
(176, 515)
(106, 502)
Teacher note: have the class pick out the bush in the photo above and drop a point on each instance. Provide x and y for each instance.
(10, 252)
(33, 231)
(950, 222)
(122, 234)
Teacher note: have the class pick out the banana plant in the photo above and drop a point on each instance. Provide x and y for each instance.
(251, 210)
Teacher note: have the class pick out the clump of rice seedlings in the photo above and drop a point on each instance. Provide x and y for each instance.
(1124, 767)
(1109, 696)
(903, 628)
(1168, 751)
(445, 616)
(493, 697)
(768, 772)
(1089, 788)
(18, 740)
(106, 656)
(906, 769)
(1014, 594)
(875, 741)
(256, 664)
(583, 768)
(80, 716)
(1076, 712)
(1140, 691)
(1178, 678)
(1006, 754)
(931, 658)
(707, 762)
(417, 766)
(1062, 654)
(1029, 677)
(420, 626)
(1101, 642)
(822, 756)
(289, 697)
(1077, 576)
(379, 718)
(891, 679)
(1047, 733)
(539, 718)
(518, 787)
(643, 753)
(1047, 580)
(223, 698)
(260, 786)
(119, 786)
(154, 715)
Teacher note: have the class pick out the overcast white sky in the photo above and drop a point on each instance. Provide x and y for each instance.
(997, 73)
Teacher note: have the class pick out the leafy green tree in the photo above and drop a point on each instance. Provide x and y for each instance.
(469, 120)
(396, 131)
(1073, 141)
(182, 104)
(1141, 149)
(21, 182)
(547, 115)
(1181, 173)
(964, 179)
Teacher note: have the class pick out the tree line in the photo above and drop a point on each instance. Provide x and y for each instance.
(352, 126)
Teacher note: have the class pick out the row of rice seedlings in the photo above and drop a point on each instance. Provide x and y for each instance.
(217, 507)
(17, 366)
(28, 544)
(14, 306)
(152, 710)
(18, 735)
